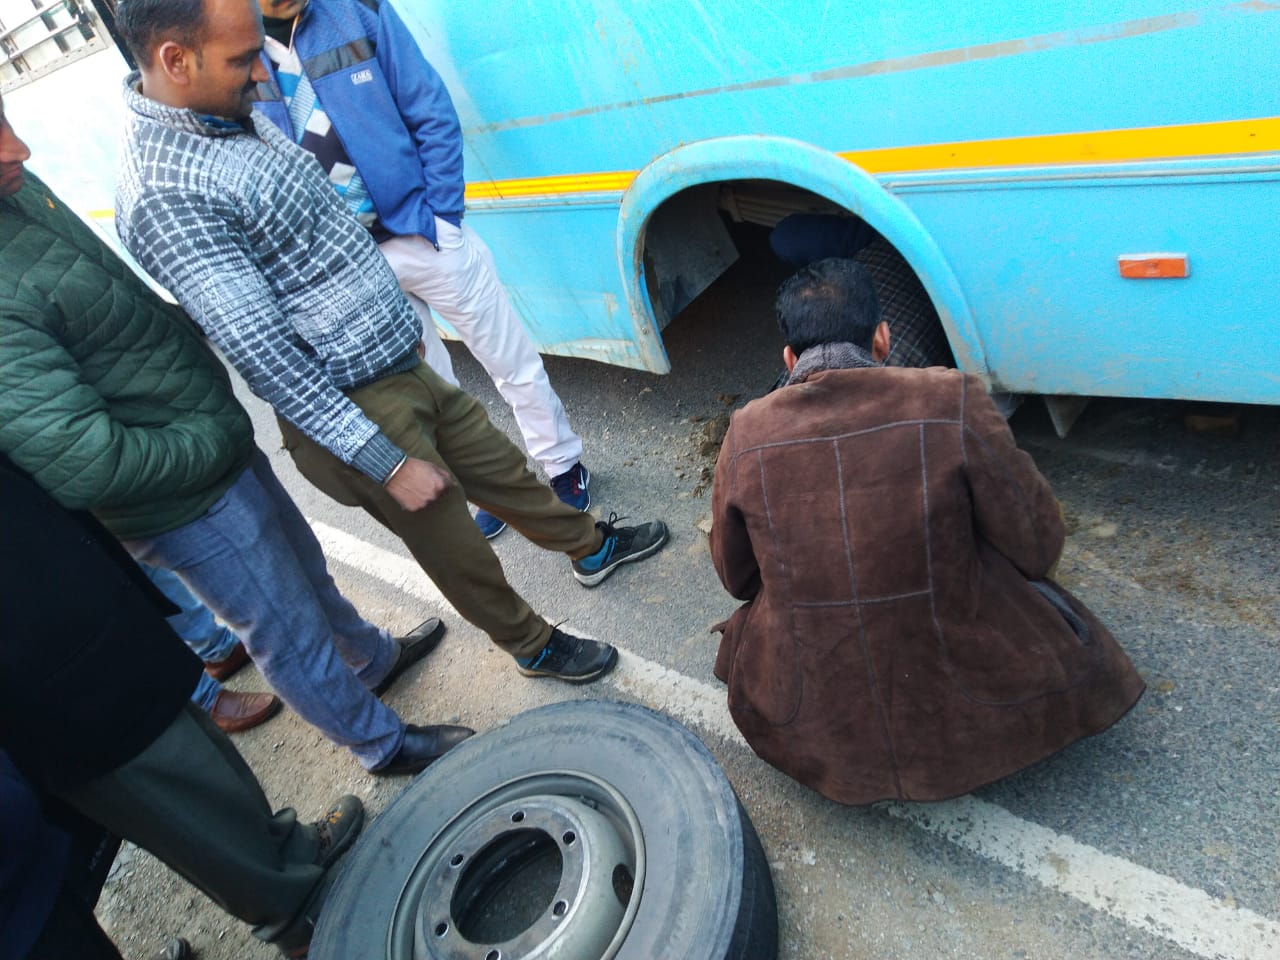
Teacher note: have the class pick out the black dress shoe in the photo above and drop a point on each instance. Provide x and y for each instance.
(423, 746)
(424, 638)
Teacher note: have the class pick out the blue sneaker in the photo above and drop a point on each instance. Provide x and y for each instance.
(621, 545)
(489, 525)
(571, 486)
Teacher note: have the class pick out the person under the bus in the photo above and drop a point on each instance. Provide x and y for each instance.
(242, 227)
(914, 326)
(385, 130)
(900, 636)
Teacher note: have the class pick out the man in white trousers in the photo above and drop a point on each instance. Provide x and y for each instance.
(350, 85)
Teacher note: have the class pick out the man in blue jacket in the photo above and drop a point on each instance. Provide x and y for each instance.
(350, 85)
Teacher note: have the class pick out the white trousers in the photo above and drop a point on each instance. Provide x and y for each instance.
(460, 282)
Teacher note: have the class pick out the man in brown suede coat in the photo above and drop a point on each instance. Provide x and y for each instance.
(900, 638)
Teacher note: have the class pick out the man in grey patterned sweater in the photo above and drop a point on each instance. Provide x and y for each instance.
(241, 225)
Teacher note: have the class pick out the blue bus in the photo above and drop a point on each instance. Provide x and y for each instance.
(1087, 190)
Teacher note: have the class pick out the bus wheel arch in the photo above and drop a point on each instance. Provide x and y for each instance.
(706, 164)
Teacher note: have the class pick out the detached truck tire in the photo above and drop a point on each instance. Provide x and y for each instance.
(580, 831)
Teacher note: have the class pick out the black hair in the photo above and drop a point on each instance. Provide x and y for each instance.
(831, 301)
(145, 24)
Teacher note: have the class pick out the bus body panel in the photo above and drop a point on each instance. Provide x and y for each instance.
(580, 87)
(1011, 151)
(1062, 320)
(565, 290)
(71, 120)
(1024, 272)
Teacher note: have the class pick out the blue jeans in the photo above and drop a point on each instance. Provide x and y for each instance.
(196, 625)
(255, 563)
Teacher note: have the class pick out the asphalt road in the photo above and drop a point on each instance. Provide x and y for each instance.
(1157, 839)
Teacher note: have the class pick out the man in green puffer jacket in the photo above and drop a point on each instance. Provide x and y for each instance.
(112, 402)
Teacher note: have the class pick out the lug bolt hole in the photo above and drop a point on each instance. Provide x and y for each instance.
(457, 859)
(570, 838)
(560, 909)
(441, 929)
(517, 816)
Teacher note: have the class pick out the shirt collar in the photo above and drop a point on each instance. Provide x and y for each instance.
(180, 118)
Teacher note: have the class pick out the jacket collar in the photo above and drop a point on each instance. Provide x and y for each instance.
(830, 356)
(33, 200)
(179, 118)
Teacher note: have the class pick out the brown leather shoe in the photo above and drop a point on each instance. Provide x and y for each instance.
(222, 669)
(234, 711)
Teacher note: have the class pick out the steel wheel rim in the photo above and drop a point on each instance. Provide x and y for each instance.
(480, 851)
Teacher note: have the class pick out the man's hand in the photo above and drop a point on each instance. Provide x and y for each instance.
(419, 483)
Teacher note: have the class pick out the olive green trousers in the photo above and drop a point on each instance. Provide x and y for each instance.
(432, 420)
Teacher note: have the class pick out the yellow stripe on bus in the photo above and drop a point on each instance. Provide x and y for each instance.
(1226, 138)
(553, 186)
(1105, 146)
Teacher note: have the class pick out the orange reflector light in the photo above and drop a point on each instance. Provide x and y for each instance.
(1154, 266)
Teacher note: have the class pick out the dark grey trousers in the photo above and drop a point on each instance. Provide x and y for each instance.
(191, 800)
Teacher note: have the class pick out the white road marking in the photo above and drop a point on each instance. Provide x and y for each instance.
(403, 573)
(1141, 898)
